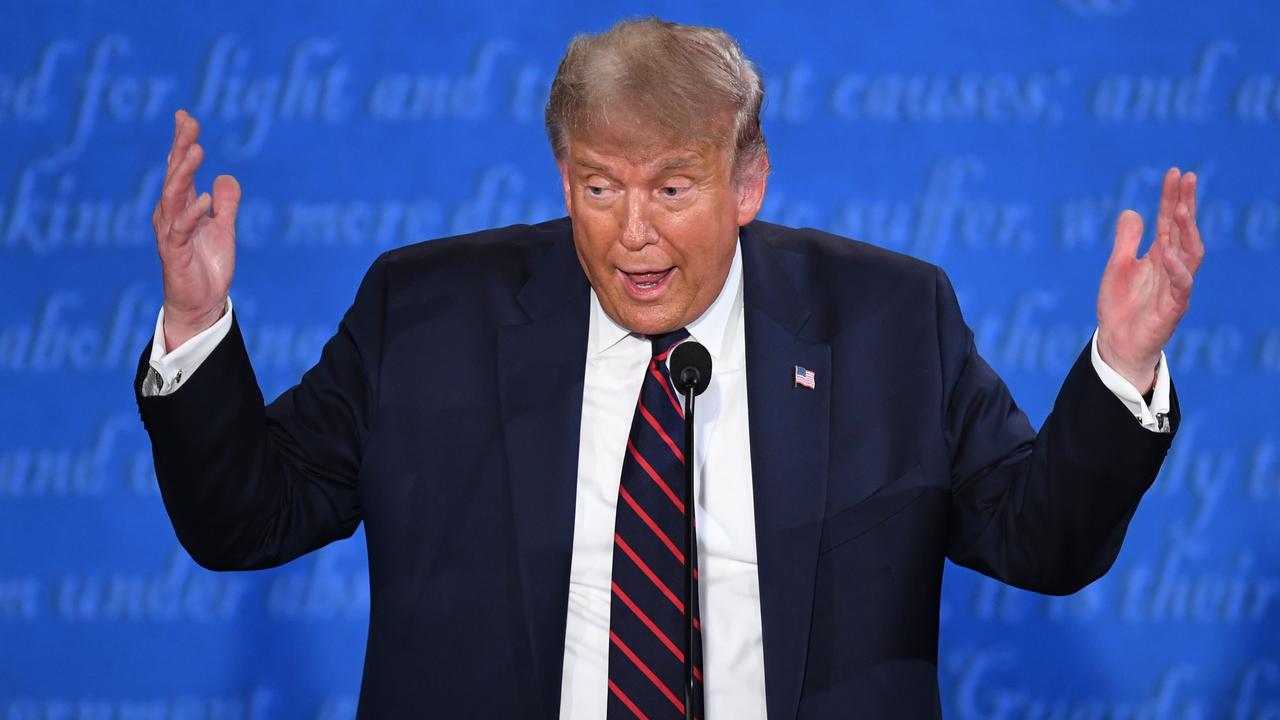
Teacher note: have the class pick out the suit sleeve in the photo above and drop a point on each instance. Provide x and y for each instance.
(1043, 511)
(248, 486)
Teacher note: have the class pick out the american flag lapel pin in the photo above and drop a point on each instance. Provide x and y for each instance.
(804, 378)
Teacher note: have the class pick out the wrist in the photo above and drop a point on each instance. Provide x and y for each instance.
(1141, 374)
(180, 326)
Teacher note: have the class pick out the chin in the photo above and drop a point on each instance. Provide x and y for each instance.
(648, 321)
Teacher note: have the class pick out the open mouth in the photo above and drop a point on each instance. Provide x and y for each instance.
(648, 282)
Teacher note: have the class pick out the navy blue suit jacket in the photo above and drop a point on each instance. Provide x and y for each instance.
(445, 414)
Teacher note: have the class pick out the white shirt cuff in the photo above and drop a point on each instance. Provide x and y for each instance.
(169, 369)
(1154, 417)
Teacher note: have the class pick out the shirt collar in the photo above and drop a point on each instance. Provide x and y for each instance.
(711, 328)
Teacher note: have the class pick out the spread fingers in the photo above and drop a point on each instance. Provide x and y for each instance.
(179, 190)
(185, 223)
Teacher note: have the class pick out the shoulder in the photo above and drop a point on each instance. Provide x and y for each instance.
(477, 275)
(499, 255)
(842, 280)
(828, 255)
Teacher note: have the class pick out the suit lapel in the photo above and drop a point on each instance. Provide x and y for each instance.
(789, 428)
(540, 366)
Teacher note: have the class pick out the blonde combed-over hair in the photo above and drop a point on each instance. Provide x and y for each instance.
(683, 82)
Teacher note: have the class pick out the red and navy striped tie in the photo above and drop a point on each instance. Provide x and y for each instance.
(646, 613)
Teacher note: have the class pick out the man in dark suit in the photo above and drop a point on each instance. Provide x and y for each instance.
(477, 406)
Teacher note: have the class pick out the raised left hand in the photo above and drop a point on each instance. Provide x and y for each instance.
(1141, 300)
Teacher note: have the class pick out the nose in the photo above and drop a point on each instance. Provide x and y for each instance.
(637, 230)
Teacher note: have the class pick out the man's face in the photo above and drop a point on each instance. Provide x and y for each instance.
(655, 230)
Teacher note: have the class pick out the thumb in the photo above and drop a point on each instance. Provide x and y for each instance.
(226, 198)
(1128, 235)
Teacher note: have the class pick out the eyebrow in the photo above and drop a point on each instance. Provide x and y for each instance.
(679, 161)
(590, 166)
(673, 163)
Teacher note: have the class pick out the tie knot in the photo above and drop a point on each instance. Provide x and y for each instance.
(663, 343)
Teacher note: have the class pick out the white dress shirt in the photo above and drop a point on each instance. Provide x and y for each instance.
(729, 586)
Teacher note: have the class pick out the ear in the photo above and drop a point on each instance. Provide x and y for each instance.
(750, 188)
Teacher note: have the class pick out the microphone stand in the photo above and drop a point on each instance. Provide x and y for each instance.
(690, 365)
(690, 550)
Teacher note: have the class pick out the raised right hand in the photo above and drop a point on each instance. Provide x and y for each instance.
(197, 249)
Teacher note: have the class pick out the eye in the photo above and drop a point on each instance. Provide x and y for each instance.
(598, 189)
(672, 191)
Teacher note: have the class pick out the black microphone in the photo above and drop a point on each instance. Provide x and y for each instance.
(690, 366)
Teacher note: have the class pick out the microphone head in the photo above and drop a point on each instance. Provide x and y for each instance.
(690, 367)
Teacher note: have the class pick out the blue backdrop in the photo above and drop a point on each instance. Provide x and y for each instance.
(998, 138)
